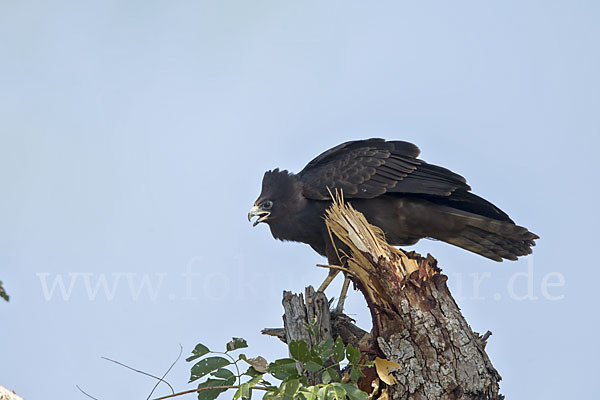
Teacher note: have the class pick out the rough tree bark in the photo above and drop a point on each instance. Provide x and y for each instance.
(299, 314)
(416, 322)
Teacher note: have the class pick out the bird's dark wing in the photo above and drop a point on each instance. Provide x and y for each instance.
(369, 168)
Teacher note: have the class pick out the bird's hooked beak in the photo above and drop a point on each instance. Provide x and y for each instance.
(262, 215)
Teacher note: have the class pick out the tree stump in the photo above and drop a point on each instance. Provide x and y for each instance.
(416, 322)
(299, 314)
(302, 313)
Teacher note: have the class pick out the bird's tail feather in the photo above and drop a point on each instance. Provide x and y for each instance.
(491, 238)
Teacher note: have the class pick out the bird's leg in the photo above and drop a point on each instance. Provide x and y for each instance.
(340, 305)
(332, 274)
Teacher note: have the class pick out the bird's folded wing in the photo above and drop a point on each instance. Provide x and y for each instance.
(370, 168)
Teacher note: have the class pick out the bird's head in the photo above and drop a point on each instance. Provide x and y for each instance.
(281, 194)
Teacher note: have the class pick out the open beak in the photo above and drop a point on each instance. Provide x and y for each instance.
(260, 213)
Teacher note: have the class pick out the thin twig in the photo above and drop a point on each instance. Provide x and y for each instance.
(203, 389)
(165, 374)
(140, 372)
(337, 267)
(82, 391)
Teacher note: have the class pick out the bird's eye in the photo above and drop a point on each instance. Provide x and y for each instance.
(266, 205)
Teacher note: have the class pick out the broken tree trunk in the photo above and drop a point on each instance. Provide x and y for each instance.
(416, 322)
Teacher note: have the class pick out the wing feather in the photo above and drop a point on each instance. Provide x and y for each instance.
(372, 167)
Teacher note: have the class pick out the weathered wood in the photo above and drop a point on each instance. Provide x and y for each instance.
(6, 394)
(416, 322)
(341, 325)
(279, 333)
(344, 327)
(300, 314)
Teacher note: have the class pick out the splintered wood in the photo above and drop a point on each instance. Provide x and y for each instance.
(370, 256)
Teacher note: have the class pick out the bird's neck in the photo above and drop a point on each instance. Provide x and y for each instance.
(301, 225)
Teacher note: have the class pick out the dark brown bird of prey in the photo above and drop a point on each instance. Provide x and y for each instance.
(406, 197)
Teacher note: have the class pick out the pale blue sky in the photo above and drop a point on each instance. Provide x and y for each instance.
(134, 136)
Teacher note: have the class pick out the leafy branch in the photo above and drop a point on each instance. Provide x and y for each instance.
(324, 360)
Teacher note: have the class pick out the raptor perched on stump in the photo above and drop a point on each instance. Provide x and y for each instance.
(403, 195)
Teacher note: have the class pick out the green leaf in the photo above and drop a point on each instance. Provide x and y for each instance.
(270, 395)
(353, 354)
(325, 377)
(322, 393)
(315, 357)
(333, 374)
(325, 349)
(283, 369)
(312, 366)
(338, 350)
(355, 374)
(291, 387)
(252, 372)
(339, 391)
(327, 344)
(213, 393)
(223, 373)
(206, 366)
(326, 355)
(254, 381)
(309, 393)
(330, 375)
(354, 393)
(299, 350)
(236, 343)
(198, 351)
(243, 392)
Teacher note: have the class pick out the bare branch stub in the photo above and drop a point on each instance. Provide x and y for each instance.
(303, 311)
